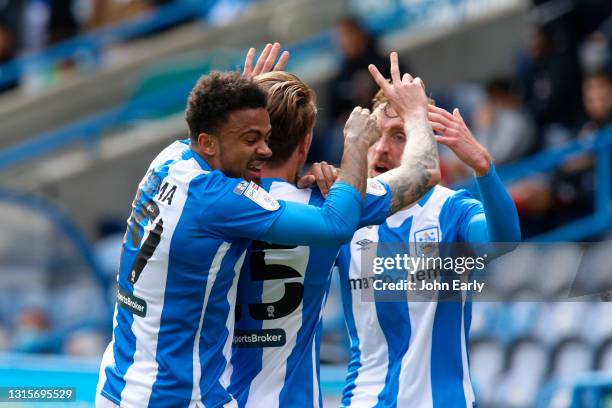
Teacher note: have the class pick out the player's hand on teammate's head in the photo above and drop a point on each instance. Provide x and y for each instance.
(265, 62)
(361, 126)
(321, 175)
(453, 132)
(405, 93)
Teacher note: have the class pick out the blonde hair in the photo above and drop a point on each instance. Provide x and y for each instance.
(380, 98)
(292, 110)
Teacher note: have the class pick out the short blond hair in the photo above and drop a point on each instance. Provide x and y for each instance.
(292, 110)
(380, 98)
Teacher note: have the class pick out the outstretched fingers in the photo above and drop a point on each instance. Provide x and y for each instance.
(262, 59)
(441, 119)
(267, 67)
(442, 112)
(282, 61)
(378, 77)
(248, 62)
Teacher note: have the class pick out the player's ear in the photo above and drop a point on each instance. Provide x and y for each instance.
(304, 145)
(208, 144)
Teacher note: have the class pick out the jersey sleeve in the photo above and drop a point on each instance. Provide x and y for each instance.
(456, 214)
(242, 209)
(377, 203)
(332, 224)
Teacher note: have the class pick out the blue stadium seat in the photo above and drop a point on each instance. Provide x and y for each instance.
(561, 319)
(526, 366)
(487, 355)
(597, 324)
(603, 356)
(569, 357)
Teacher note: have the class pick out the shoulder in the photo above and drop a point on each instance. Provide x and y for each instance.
(175, 151)
(283, 190)
(457, 199)
(438, 197)
(463, 197)
(459, 207)
(441, 195)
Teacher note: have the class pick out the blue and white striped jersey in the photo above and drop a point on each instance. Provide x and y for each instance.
(184, 246)
(408, 354)
(281, 294)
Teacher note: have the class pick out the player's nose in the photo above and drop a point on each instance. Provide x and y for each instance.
(382, 145)
(264, 150)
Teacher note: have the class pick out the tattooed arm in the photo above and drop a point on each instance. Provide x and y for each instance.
(418, 171)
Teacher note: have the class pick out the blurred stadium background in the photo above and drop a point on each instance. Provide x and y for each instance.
(91, 90)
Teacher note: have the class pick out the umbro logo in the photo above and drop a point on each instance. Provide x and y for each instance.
(363, 243)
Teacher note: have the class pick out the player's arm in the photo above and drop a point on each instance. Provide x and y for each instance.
(418, 171)
(246, 210)
(336, 221)
(499, 222)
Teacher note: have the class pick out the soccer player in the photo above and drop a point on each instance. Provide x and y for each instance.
(196, 211)
(414, 353)
(282, 289)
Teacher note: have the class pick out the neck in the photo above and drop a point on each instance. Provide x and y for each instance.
(209, 160)
(287, 171)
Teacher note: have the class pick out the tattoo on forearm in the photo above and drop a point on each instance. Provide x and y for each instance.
(354, 166)
(418, 171)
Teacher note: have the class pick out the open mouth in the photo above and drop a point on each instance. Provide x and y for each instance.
(255, 168)
(380, 169)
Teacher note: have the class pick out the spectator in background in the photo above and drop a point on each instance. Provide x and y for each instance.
(31, 331)
(571, 21)
(574, 184)
(544, 203)
(11, 18)
(351, 86)
(7, 52)
(84, 343)
(550, 77)
(501, 125)
(597, 91)
(62, 22)
(11, 12)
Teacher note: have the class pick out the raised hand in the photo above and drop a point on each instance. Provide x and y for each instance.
(361, 125)
(405, 93)
(456, 135)
(265, 62)
(360, 132)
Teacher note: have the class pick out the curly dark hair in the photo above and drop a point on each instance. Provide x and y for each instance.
(217, 94)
